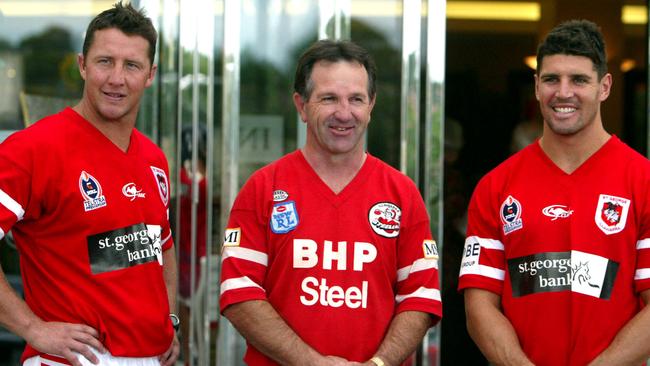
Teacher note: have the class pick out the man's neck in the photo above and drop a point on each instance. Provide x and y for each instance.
(336, 171)
(118, 132)
(569, 152)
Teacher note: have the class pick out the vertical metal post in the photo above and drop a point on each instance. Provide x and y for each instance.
(410, 98)
(230, 147)
(433, 179)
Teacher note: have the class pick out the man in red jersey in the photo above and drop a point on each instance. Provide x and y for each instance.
(86, 197)
(328, 257)
(556, 262)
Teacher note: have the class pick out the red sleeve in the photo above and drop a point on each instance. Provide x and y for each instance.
(15, 181)
(642, 211)
(418, 284)
(244, 256)
(483, 258)
(167, 237)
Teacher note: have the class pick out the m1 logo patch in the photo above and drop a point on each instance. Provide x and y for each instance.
(91, 191)
(511, 215)
(284, 217)
(611, 213)
(430, 249)
(384, 218)
(161, 183)
(232, 237)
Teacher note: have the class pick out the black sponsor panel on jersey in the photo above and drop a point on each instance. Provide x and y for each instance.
(608, 283)
(575, 271)
(532, 273)
(122, 248)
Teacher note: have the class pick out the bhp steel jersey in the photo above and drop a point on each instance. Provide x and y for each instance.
(90, 223)
(567, 253)
(337, 267)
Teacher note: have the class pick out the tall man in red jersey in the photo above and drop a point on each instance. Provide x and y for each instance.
(328, 257)
(557, 255)
(86, 196)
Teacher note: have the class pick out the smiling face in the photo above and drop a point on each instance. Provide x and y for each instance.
(116, 72)
(338, 110)
(569, 94)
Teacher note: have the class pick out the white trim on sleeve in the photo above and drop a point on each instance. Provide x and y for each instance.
(245, 254)
(642, 274)
(166, 239)
(486, 243)
(422, 292)
(483, 270)
(421, 264)
(237, 283)
(11, 205)
(643, 244)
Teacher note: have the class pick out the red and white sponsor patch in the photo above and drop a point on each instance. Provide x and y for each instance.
(384, 219)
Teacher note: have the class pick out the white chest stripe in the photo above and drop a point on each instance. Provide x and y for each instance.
(237, 283)
(245, 254)
(11, 205)
(419, 265)
(422, 292)
(2, 233)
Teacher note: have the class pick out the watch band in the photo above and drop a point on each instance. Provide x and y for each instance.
(377, 361)
(176, 322)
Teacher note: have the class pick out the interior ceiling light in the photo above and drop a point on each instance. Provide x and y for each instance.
(531, 61)
(494, 10)
(21, 8)
(456, 9)
(634, 14)
(627, 64)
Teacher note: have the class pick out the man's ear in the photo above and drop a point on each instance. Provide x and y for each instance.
(605, 87)
(81, 62)
(299, 102)
(152, 75)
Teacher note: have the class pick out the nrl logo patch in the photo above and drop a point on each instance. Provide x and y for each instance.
(511, 215)
(284, 217)
(384, 218)
(91, 191)
(280, 195)
(611, 213)
(161, 183)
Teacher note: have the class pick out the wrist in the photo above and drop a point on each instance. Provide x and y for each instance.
(176, 322)
(377, 361)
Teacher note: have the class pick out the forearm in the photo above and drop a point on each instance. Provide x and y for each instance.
(491, 330)
(15, 315)
(170, 274)
(262, 326)
(404, 334)
(631, 346)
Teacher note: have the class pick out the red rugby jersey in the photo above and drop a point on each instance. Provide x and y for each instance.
(567, 253)
(331, 264)
(90, 222)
